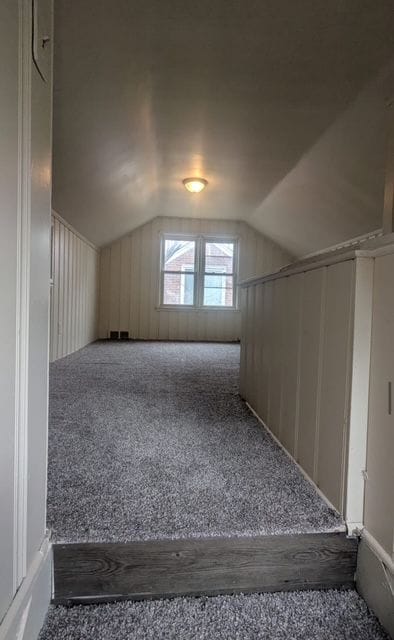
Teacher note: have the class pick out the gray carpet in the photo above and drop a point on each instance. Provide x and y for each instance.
(151, 440)
(308, 615)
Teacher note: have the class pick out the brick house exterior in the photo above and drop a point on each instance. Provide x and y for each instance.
(178, 287)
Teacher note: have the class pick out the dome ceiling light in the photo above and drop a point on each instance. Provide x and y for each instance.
(195, 185)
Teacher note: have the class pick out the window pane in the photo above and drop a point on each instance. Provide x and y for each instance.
(219, 257)
(178, 288)
(179, 255)
(218, 291)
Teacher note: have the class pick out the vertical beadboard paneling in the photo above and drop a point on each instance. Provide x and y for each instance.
(154, 284)
(278, 314)
(309, 366)
(335, 381)
(105, 267)
(297, 363)
(55, 238)
(258, 346)
(243, 389)
(134, 284)
(130, 281)
(124, 301)
(73, 290)
(68, 298)
(74, 306)
(250, 336)
(145, 280)
(114, 288)
(266, 363)
(291, 332)
(57, 332)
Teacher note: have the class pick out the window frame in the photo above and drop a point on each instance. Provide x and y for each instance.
(200, 240)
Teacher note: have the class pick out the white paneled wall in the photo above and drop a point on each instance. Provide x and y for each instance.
(74, 290)
(301, 355)
(25, 205)
(379, 493)
(129, 282)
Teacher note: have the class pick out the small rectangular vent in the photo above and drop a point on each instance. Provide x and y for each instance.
(114, 335)
(124, 335)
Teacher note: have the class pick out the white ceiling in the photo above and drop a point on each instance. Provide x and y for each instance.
(239, 92)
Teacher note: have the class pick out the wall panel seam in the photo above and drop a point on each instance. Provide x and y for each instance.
(299, 345)
(349, 360)
(320, 376)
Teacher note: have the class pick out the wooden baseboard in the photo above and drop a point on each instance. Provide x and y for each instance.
(26, 614)
(102, 572)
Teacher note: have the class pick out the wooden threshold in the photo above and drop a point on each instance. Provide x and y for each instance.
(104, 572)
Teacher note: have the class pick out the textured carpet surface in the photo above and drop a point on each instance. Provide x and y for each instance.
(151, 440)
(308, 615)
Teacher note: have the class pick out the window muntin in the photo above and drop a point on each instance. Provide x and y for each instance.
(198, 272)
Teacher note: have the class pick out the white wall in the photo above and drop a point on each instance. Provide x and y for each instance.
(379, 491)
(74, 290)
(25, 205)
(129, 282)
(375, 570)
(316, 366)
(335, 191)
(8, 286)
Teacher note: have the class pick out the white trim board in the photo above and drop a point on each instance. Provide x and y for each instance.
(27, 612)
(22, 294)
(308, 478)
(380, 245)
(370, 235)
(356, 449)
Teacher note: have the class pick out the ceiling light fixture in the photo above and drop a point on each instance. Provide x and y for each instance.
(195, 185)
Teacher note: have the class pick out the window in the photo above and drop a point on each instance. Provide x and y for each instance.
(178, 272)
(198, 272)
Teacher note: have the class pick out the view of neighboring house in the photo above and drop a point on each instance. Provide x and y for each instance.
(181, 265)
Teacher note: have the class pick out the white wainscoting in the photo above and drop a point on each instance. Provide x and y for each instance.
(305, 352)
(74, 290)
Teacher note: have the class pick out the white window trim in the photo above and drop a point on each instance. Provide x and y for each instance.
(199, 271)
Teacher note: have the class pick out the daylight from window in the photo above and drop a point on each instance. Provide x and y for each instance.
(198, 272)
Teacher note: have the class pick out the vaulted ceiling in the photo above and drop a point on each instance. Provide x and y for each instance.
(252, 95)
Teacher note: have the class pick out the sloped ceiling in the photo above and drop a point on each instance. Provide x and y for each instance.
(255, 96)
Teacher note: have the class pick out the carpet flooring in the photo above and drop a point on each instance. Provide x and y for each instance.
(307, 615)
(151, 440)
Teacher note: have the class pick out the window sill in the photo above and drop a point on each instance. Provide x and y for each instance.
(184, 308)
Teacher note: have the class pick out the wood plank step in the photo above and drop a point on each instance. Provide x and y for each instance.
(103, 572)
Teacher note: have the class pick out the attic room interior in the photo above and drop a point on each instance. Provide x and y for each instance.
(197, 276)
